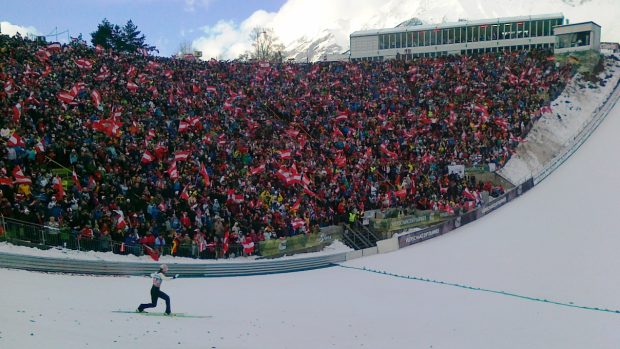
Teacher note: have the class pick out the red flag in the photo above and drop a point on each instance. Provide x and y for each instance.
(258, 169)
(39, 147)
(341, 117)
(17, 112)
(19, 176)
(225, 242)
(54, 47)
(284, 154)
(388, 152)
(337, 132)
(172, 171)
(65, 97)
(469, 195)
(96, 97)
(298, 223)
(76, 180)
(15, 141)
(181, 155)
(184, 194)
(75, 90)
(296, 205)
(204, 174)
(83, 63)
(151, 252)
(99, 49)
(147, 157)
(60, 190)
(401, 194)
(132, 71)
(211, 89)
(120, 223)
(132, 87)
(183, 126)
(9, 88)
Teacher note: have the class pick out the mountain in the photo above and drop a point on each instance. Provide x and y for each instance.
(335, 38)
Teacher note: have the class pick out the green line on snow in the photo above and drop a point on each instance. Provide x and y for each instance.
(542, 300)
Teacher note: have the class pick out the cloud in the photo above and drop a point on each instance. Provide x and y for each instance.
(10, 29)
(190, 5)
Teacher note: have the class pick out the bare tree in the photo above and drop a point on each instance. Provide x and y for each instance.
(185, 47)
(265, 46)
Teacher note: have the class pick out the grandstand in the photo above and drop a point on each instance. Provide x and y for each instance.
(235, 154)
(479, 36)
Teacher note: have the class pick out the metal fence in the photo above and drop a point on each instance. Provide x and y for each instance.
(30, 234)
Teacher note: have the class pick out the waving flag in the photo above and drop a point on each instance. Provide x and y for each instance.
(388, 152)
(181, 155)
(15, 141)
(132, 87)
(77, 88)
(96, 98)
(83, 63)
(19, 176)
(258, 169)
(211, 89)
(183, 126)
(284, 154)
(65, 97)
(172, 171)
(205, 175)
(147, 157)
(17, 112)
(99, 49)
(76, 181)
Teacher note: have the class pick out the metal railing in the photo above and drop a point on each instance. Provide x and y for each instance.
(35, 235)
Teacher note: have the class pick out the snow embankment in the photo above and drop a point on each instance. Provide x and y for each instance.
(555, 131)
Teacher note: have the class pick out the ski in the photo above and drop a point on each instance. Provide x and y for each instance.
(180, 315)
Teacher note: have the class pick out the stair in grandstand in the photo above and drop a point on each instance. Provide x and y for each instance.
(359, 237)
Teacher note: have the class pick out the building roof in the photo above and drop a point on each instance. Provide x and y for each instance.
(455, 24)
(580, 23)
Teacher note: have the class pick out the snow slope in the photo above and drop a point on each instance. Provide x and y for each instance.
(557, 242)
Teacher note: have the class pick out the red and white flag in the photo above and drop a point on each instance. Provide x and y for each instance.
(258, 169)
(132, 87)
(388, 152)
(17, 112)
(77, 88)
(99, 49)
(65, 97)
(172, 171)
(83, 63)
(39, 147)
(19, 176)
(284, 154)
(15, 141)
(54, 47)
(184, 195)
(183, 126)
(181, 155)
(298, 223)
(96, 97)
(147, 157)
(211, 89)
(76, 181)
(205, 175)
(60, 189)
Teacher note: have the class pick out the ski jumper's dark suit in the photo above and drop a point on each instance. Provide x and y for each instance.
(157, 293)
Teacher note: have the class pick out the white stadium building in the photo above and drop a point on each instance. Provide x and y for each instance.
(547, 31)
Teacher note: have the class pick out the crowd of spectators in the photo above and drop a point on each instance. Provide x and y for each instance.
(165, 151)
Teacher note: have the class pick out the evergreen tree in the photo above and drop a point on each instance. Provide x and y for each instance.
(132, 38)
(104, 35)
(125, 39)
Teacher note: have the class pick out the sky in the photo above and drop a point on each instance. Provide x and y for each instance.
(221, 28)
(165, 23)
(539, 272)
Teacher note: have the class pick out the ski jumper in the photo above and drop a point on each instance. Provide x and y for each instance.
(156, 293)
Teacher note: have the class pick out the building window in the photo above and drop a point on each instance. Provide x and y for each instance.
(573, 39)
